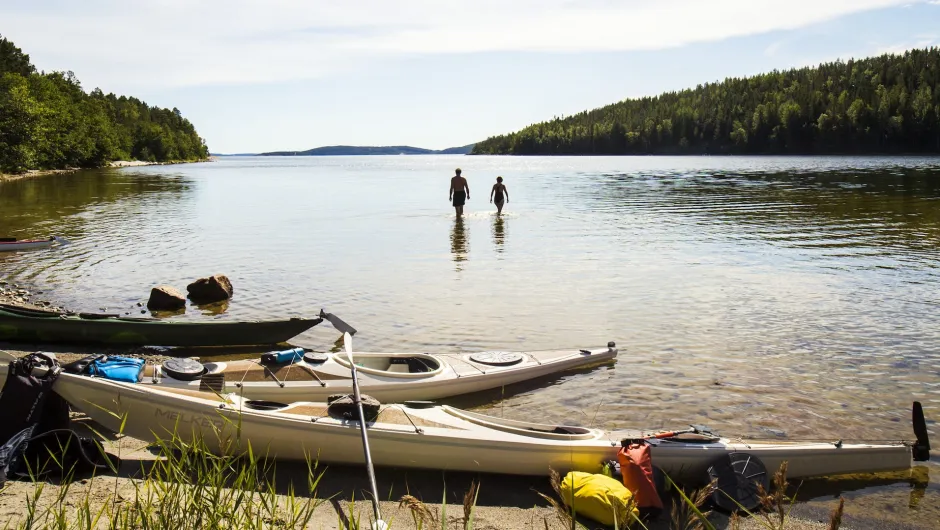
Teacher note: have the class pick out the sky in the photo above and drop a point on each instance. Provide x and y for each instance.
(264, 75)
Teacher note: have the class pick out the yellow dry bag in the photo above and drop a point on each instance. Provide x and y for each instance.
(599, 497)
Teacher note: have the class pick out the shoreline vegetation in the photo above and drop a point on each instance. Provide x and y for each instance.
(49, 123)
(886, 105)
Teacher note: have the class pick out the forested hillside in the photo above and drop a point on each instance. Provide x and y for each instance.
(48, 122)
(886, 104)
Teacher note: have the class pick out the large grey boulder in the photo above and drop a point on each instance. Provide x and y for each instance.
(166, 298)
(208, 290)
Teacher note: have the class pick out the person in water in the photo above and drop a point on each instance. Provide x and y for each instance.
(459, 192)
(499, 194)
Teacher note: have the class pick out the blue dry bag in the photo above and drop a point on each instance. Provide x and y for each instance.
(126, 369)
(281, 357)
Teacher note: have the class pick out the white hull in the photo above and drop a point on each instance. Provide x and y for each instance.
(449, 439)
(454, 375)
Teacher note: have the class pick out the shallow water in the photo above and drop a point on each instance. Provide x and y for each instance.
(770, 297)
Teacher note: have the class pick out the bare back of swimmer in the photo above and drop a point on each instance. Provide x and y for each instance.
(459, 192)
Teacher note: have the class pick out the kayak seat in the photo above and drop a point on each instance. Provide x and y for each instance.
(417, 365)
(374, 363)
(399, 366)
(410, 365)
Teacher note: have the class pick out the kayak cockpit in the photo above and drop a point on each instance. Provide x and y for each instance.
(404, 365)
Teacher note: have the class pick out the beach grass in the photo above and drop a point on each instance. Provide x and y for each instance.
(190, 486)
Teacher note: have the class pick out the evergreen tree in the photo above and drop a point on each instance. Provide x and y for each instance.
(887, 104)
(47, 121)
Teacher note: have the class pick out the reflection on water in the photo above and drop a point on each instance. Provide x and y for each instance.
(65, 203)
(213, 309)
(499, 232)
(767, 297)
(459, 243)
(916, 482)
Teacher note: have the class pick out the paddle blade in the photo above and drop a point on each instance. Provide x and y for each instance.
(61, 240)
(337, 323)
(920, 451)
(347, 343)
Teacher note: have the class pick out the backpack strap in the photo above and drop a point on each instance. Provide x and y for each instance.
(11, 453)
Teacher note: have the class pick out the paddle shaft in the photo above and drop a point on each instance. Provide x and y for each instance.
(362, 430)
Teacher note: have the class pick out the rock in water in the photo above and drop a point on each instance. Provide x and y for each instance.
(166, 298)
(208, 290)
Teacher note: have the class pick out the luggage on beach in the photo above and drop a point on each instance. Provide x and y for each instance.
(125, 369)
(599, 497)
(636, 470)
(116, 368)
(34, 424)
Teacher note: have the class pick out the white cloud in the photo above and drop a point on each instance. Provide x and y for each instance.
(190, 42)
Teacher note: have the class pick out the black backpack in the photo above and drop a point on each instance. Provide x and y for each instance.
(34, 424)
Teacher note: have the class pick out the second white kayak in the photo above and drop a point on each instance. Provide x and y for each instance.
(388, 377)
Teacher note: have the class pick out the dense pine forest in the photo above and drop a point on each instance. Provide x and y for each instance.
(48, 122)
(886, 104)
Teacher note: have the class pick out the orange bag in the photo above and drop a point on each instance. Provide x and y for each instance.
(636, 469)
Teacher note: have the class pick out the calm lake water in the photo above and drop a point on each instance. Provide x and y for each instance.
(769, 297)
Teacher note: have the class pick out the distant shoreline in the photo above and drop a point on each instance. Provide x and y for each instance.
(7, 177)
(360, 150)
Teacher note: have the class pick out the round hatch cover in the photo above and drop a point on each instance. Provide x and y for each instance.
(315, 357)
(497, 358)
(184, 369)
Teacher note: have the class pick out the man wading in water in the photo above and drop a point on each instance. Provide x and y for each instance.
(459, 192)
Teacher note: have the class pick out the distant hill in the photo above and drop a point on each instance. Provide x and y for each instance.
(339, 150)
(462, 150)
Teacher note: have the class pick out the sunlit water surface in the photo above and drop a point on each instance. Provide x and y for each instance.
(770, 297)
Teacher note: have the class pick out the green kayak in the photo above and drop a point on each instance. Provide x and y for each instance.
(18, 324)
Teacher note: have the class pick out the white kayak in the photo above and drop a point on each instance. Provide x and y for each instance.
(388, 377)
(7, 244)
(423, 435)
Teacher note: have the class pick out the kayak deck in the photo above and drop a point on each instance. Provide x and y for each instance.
(435, 437)
(32, 325)
(389, 377)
